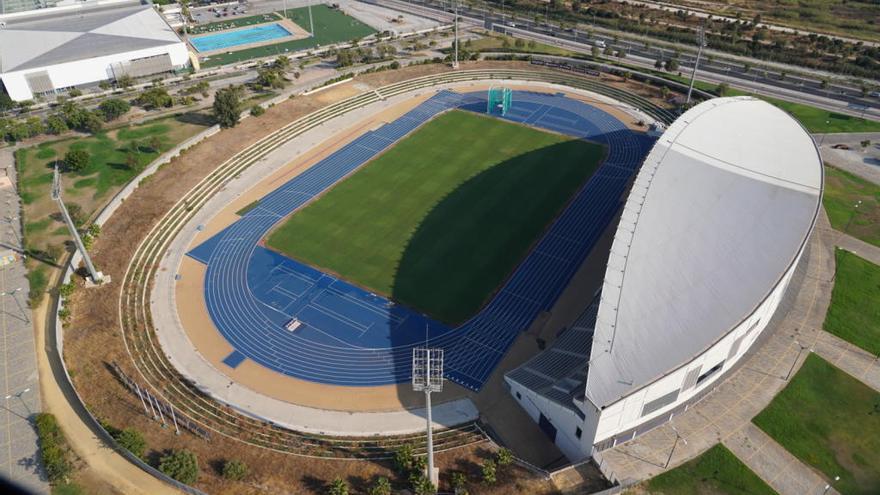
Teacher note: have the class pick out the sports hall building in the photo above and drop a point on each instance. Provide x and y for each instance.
(47, 51)
(713, 229)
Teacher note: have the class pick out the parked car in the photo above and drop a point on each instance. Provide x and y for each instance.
(841, 146)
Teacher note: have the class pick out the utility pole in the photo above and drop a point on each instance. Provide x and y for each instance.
(311, 22)
(455, 60)
(427, 376)
(96, 276)
(701, 42)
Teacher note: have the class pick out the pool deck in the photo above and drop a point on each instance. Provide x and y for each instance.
(297, 33)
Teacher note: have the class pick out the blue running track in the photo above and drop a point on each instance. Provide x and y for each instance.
(352, 337)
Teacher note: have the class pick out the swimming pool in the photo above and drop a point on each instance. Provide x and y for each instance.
(256, 34)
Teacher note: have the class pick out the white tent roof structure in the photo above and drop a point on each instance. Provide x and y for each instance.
(720, 210)
(41, 41)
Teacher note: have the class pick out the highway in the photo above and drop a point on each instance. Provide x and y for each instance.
(767, 80)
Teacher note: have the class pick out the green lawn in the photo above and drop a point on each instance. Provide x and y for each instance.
(854, 314)
(830, 421)
(331, 26)
(438, 221)
(717, 471)
(843, 191)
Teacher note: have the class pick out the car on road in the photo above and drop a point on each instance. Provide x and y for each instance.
(600, 43)
(841, 146)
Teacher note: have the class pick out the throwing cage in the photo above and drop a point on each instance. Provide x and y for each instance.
(499, 100)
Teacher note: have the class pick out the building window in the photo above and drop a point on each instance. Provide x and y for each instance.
(711, 371)
(518, 396)
(660, 402)
(578, 432)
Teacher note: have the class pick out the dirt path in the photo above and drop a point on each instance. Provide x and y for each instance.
(104, 462)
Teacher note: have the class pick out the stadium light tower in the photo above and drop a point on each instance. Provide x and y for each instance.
(455, 41)
(97, 277)
(311, 22)
(427, 376)
(701, 42)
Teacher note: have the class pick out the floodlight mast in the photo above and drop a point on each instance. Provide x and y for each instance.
(56, 195)
(455, 41)
(427, 376)
(701, 42)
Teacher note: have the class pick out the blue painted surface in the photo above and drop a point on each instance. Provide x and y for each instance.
(228, 39)
(351, 337)
(234, 359)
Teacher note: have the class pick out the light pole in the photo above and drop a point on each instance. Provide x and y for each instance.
(852, 216)
(674, 444)
(455, 41)
(18, 396)
(20, 308)
(10, 220)
(828, 485)
(701, 42)
(821, 141)
(427, 376)
(97, 277)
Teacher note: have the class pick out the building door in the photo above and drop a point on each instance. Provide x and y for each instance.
(547, 427)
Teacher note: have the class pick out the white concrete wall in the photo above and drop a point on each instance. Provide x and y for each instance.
(565, 421)
(89, 70)
(626, 414)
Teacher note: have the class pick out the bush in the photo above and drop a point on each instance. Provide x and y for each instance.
(257, 110)
(131, 440)
(114, 108)
(403, 459)
(53, 449)
(459, 482)
(381, 487)
(503, 457)
(235, 470)
(76, 160)
(181, 465)
(337, 487)
(489, 472)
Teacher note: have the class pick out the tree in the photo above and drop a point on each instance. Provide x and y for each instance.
(459, 483)
(338, 487)
(270, 77)
(6, 102)
(124, 81)
(131, 161)
(344, 58)
(227, 106)
(235, 470)
(489, 472)
(672, 65)
(722, 89)
(421, 485)
(621, 53)
(155, 97)
(594, 51)
(181, 465)
(658, 64)
(257, 110)
(92, 122)
(282, 62)
(381, 487)
(519, 43)
(156, 143)
(55, 124)
(865, 143)
(76, 160)
(403, 458)
(129, 438)
(113, 108)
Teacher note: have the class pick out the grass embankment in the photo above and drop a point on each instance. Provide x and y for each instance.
(717, 471)
(438, 221)
(854, 314)
(116, 157)
(831, 421)
(853, 205)
(331, 27)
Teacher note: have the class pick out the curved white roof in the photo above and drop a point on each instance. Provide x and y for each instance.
(721, 208)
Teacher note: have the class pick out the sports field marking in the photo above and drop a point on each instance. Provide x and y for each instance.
(438, 221)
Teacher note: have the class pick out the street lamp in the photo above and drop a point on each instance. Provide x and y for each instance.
(827, 122)
(13, 294)
(828, 485)
(674, 444)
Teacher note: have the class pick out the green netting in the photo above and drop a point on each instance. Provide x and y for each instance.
(499, 101)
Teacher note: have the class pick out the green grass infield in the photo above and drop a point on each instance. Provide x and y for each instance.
(852, 204)
(438, 221)
(830, 421)
(717, 471)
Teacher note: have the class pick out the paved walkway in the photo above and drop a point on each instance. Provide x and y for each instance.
(19, 384)
(725, 414)
(862, 162)
(864, 250)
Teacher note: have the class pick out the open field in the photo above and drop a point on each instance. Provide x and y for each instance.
(331, 27)
(116, 156)
(440, 220)
(854, 314)
(843, 191)
(717, 471)
(844, 17)
(829, 420)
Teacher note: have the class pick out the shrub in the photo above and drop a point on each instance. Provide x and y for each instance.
(338, 487)
(235, 470)
(459, 481)
(257, 110)
(489, 472)
(181, 465)
(381, 487)
(131, 440)
(403, 459)
(503, 457)
(53, 448)
(76, 160)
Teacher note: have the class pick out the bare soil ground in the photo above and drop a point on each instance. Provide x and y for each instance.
(92, 338)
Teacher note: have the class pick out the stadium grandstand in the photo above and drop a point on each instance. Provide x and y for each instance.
(710, 235)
